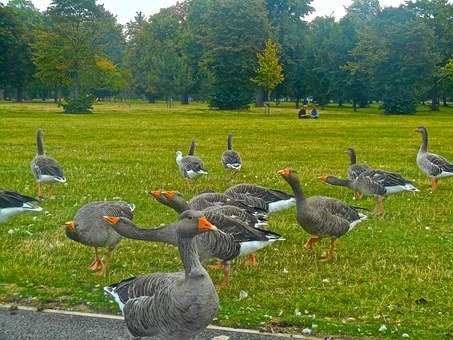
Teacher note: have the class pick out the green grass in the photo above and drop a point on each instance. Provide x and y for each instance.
(396, 271)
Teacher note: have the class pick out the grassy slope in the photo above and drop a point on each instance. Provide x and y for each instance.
(396, 271)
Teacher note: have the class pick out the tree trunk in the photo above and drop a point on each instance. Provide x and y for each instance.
(19, 94)
(354, 105)
(259, 98)
(184, 99)
(297, 102)
(2, 94)
(435, 103)
(444, 100)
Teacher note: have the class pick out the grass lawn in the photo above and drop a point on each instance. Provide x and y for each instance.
(396, 272)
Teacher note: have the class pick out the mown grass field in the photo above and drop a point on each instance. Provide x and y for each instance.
(396, 272)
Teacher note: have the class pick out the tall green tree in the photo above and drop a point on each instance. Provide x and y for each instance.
(437, 15)
(396, 51)
(237, 32)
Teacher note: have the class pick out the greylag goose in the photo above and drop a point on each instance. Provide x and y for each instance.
(434, 166)
(13, 203)
(171, 305)
(45, 168)
(322, 216)
(231, 160)
(90, 229)
(377, 183)
(246, 237)
(190, 166)
(355, 169)
(275, 200)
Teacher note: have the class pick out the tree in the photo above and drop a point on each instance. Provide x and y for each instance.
(236, 33)
(438, 16)
(396, 52)
(270, 72)
(16, 64)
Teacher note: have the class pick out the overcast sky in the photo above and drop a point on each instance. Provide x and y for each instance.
(126, 9)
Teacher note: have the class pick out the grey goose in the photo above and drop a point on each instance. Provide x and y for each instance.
(190, 166)
(434, 166)
(355, 169)
(45, 169)
(322, 216)
(171, 305)
(377, 183)
(244, 238)
(12, 203)
(231, 160)
(89, 228)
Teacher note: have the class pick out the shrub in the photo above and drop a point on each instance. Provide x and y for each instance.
(80, 104)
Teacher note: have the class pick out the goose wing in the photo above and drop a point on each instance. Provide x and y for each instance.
(192, 163)
(268, 195)
(231, 159)
(332, 217)
(438, 164)
(248, 202)
(12, 199)
(355, 170)
(47, 166)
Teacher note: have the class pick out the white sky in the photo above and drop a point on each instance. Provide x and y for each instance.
(125, 10)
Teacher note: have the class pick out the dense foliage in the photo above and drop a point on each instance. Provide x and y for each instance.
(209, 50)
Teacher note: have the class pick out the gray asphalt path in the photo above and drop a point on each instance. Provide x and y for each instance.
(25, 324)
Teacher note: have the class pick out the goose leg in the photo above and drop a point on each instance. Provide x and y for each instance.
(331, 252)
(434, 183)
(226, 274)
(251, 260)
(380, 206)
(311, 242)
(97, 263)
(218, 265)
(105, 262)
(39, 190)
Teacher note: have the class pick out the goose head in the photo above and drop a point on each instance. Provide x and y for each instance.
(193, 223)
(421, 129)
(70, 226)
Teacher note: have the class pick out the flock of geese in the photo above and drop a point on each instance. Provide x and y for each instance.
(215, 225)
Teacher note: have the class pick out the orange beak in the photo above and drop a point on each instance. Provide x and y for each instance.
(169, 194)
(70, 226)
(155, 193)
(323, 178)
(204, 224)
(111, 219)
(284, 172)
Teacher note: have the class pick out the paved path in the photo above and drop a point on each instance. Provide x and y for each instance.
(25, 323)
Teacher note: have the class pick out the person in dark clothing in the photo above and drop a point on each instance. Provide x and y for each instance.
(303, 113)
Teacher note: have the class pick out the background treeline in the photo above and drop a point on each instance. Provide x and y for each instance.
(230, 53)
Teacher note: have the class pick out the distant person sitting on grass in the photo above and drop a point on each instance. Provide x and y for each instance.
(314, 113)
(303, 113)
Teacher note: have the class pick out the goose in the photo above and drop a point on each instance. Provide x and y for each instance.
(246, 239)
(434, 166)
(322, 216)
(176, 305)
(90, 229)
(252, 205)
(231, 159)
(275, 200)
(12, 203)
(45, 169)
(355, 170)
(377, 183)
(190, 166)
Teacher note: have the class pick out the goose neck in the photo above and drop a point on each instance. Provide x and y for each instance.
(424, 146)
(39, 143)
(189, 255)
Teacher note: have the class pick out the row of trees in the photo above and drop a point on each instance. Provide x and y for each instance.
(231, 53)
